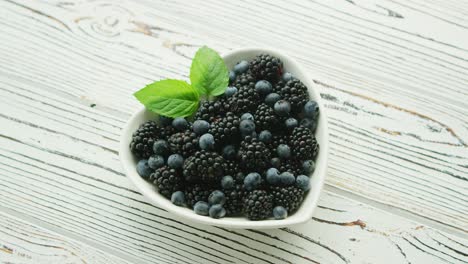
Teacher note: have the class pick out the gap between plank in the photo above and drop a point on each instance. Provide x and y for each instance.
(398, 212)
(69, 235)
(411, 216)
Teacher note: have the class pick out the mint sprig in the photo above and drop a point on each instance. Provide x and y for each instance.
(172, 98)
(208, 73)
(175, 98)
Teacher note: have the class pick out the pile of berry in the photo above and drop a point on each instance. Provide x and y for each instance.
(249, 153)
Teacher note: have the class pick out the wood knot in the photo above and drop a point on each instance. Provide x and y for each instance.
(105, 19)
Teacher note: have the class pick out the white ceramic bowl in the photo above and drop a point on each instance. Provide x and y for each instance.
(303, 214)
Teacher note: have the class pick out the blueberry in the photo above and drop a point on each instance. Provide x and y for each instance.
(275, 162)
(143, 168)
(156, 161)
(287, 76)
(309, 123)
(302, 182)
(165, 121)
(232, 76)
(284, 151)
(273, 176)
(217, 211)
(247, 116)
(263, 87)
(265, 136)
(175, 161)
(229, 152)
(217, 197)
(200, 127)
(201, 208)
(252, 181)
(311, 110)
(180, 123)
(230, 91)
(227, 182)
(178, 198)
(279, 212)
(206, 141)
(246, 127)
(291, 123)
(287, 178)
(308, 167)
(282, 108)
(272, 98)
(241, 67)
(160, 147)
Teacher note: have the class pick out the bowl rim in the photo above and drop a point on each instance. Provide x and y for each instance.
(300, 216)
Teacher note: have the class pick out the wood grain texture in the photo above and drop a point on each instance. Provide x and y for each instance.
(21, 242)
(395, 91)
(342, 230)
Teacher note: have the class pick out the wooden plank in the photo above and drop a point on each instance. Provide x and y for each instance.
(95, 204)
(21, 242)
(395, 98)
(395, 91)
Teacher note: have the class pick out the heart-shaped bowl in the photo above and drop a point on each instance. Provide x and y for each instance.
(305, 211)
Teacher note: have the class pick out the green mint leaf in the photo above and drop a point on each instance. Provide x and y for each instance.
(208, 73)
(172, 98)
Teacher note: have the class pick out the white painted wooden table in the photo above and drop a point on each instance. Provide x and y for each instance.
(393, 75)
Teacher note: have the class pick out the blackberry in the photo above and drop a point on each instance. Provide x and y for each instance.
(293, 166)
(265, 118)
(197, 192)
(225, 129)
(212, 110)
(143, 139)
(244, 101)
(254, 155)
(166, 131)
(278, 139)
(239, 177)
(295, 92)
(167, 181)
(303, 143)
(204, 166)
(231, 167)
(258, 205)
(244, 80)
(266, 67)
(184, 143)
(289, 197)
(234, 200)
(279, 86)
